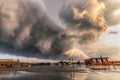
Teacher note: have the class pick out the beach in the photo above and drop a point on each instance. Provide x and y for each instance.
(58, 73)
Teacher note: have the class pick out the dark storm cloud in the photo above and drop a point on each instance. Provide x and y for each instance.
(26, 27)
(27, 30)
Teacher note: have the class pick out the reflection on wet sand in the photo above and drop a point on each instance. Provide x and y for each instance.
(13, 75)
(45, 73)
(7, 73)
(70, 74)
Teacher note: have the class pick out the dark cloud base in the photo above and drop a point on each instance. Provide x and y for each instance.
(26, 29)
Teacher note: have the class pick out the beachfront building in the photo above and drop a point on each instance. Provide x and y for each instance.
(12, 63)
(98, 63)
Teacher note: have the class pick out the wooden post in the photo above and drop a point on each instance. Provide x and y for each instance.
(107, 63)
(114, 65)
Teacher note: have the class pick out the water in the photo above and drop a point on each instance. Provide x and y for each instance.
(60, 75)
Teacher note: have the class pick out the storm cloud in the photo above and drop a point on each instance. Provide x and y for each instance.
(24, 25)
(112, 12)
(86, 20)
(27, 30)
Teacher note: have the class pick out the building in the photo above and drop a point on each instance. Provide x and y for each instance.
(12, 63)
(97, 61)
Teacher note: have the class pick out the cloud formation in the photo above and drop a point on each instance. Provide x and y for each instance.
(25, 26)
(27, 30)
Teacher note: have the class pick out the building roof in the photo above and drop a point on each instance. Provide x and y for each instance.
(98, 58)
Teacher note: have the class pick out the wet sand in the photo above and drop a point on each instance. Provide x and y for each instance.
(48, 69)
(57, 73)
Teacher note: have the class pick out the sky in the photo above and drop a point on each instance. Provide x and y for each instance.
(67, 30)
(111, 39)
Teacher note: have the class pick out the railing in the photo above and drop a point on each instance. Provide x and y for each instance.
(117, 63)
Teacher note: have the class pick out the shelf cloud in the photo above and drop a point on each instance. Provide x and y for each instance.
(27, 30)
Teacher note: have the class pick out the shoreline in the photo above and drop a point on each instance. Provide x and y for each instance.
(47, 69)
